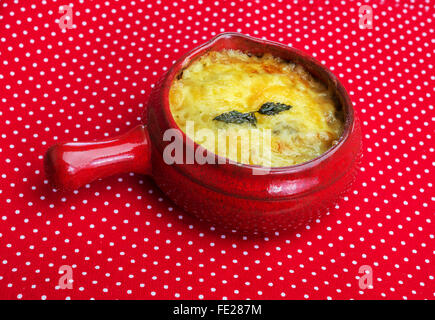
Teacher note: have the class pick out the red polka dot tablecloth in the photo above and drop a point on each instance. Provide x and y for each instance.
(89, 77)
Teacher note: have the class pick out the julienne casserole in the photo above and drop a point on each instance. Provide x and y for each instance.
(231, 94)
(234, 88)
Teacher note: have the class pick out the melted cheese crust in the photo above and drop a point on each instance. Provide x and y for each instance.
(229, 80)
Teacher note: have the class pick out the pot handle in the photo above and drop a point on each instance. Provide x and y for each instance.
(73, 164)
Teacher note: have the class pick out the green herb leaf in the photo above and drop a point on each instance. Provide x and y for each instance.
(237, 117)
(272, 108)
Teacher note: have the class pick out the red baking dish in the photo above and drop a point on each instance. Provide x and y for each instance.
(227, 195)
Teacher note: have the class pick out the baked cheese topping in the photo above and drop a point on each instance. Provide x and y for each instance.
(225, 81)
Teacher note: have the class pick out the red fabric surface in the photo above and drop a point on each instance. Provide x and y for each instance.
(124, 239)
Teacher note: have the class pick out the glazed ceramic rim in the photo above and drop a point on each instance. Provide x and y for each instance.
(339, 89)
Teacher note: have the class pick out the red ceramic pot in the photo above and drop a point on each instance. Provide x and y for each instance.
(227, 195)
